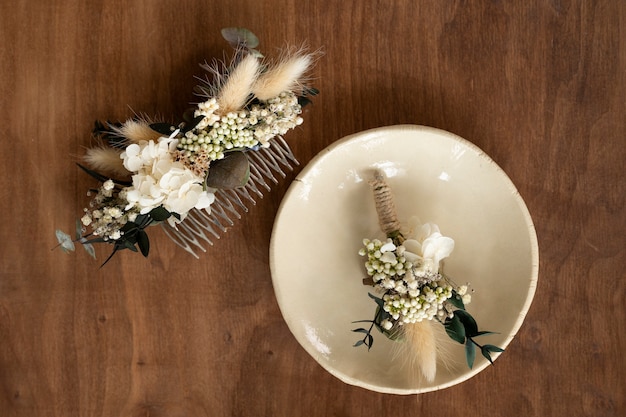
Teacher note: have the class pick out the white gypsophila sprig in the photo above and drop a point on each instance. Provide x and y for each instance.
(106, 215)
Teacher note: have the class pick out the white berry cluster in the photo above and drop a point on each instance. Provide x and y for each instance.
(246, 128)
(106, 214)
(411, 294)
(424, 303)
(384, 261)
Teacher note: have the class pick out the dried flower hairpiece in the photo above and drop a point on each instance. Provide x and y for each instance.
(406, 269)
(154, 171)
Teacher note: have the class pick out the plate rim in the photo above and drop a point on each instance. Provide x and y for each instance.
(532, 235)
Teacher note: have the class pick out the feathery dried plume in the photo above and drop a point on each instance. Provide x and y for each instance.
(235, 91)
(421, 341)
(136, 131)
(106, 160)
(283, 76)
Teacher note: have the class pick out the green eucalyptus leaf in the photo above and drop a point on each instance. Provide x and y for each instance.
(142, 220)
(240, 36)
(378, 300)
(471, 328)
(143, 242)
(486, 354)
(159, 214)
(230, 172)
(361, 330)
(304, 101)
(455, 329)
(470, 352)
(255, 53)
(487, 349)
(163, 128)
(66, 242)
(79, 229)
(359, 343)
(456, 300)
(492, 348)
(481, 333)
(90, 249)
(128, 244)
(192, 124)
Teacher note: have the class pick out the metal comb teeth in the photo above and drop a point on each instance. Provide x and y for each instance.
(202, 227)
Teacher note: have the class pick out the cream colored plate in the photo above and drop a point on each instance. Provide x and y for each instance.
(329, 209)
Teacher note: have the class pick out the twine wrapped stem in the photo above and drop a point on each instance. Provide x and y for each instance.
(385, 208)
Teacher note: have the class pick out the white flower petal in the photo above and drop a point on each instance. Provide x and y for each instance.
(388, 257)
(387, 247)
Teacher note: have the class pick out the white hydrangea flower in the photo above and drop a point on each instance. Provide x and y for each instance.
(162, 181)
(132, 157)
(428, 248)
(183, 192)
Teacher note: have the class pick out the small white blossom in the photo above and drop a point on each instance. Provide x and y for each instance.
(108, 185)
(467, 298)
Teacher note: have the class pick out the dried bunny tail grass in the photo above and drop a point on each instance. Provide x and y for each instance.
(136, 131)
(106, 160)
(235, 91)
(420, 339)
(285, 75)
(424, 349)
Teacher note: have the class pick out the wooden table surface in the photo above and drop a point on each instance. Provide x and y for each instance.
(540, 86)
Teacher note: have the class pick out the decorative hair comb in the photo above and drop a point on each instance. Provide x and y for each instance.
(195, 177)
(415, 294)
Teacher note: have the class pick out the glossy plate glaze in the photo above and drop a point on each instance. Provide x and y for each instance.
(329, 209)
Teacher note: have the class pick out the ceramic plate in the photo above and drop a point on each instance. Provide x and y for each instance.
(328, 210)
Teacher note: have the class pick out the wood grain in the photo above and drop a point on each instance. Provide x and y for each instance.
(540, 86)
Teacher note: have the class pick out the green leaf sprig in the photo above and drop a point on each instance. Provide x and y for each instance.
(462, 328)
(381, 314)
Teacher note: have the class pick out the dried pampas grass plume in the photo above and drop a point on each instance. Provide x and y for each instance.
(420, 339)
(283, 76)
(106, 160)
(235, 91)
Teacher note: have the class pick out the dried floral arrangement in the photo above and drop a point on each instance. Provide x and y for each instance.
(415, 295)
(154, 172)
